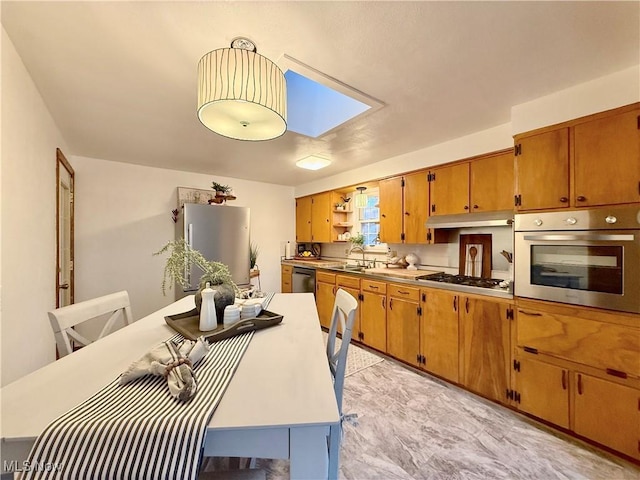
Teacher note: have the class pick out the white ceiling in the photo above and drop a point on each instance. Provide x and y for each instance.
(120, 77)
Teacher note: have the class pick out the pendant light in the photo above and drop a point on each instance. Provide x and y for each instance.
(361, 198)
(241, 94)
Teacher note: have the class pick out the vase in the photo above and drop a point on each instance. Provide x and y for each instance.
(225, 296)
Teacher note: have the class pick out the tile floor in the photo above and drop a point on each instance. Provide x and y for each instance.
(413, 426)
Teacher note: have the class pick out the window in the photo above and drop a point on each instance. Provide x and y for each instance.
(369, 218)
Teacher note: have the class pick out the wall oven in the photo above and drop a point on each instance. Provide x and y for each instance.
(582, 257)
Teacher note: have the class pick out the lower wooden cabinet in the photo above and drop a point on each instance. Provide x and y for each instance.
(607, 413)
(373, 314)
(439, 333)
(542, 389)
(403, 323)
(485, 340)
(286, 272)
(325, 296)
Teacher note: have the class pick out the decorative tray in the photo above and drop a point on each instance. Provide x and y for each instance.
(188, 323)
(312, 257)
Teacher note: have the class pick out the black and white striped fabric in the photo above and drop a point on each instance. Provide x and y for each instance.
(137, 430)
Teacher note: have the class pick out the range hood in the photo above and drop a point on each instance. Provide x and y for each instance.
(503, 218)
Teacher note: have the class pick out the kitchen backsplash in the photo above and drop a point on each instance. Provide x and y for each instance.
(444, 256)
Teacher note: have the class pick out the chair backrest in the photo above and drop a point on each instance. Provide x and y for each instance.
(65, 318)
(344, 313)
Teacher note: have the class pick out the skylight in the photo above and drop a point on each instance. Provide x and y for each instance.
(317, 103)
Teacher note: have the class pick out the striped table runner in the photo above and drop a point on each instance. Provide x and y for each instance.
(137, 431)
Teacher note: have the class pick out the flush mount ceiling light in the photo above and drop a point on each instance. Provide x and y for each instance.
(241, 94)
(361, 198)
(313, 162)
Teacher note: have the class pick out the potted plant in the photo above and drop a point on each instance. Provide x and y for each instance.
(357, 240)
(180, 260)
(253, 255)
(220, 189)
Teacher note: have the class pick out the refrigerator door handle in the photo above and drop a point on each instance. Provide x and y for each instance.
(187, 270)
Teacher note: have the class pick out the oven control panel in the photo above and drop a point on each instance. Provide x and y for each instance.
(606, 218)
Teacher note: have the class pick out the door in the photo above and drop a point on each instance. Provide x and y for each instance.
(607, 413)
(391, 210)
(65, 231)
(403, 330)
(416, 207)
(484, 343)
(325, 298)
(542, 170)
(321, 218)
(492, 183)
(303, 219)
(607, 160)
(439, 333)
(543, 389)
(450, 190)
(373, 320)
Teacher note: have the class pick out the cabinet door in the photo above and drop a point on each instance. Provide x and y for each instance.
(403, 330)
(484, 342)
(544, 390)
(391, 214)
(373, 320)
(321, 218)
(286, 272)
(450, 190)
(492, 183)
(607, 413)
(416, 207)
(607, 160)
(303, 219)
(542, 170)
(325, 298)
(439, 333)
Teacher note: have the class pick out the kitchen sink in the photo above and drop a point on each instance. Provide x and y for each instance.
(353, 268)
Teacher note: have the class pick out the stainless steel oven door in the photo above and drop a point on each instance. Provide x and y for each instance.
(592, 268)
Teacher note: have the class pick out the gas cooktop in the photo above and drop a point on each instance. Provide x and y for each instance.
(467, 283)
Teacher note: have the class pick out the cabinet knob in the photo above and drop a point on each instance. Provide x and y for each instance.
(466, 207)
(476, 206)
(580, 198)
(383, 215)
(564, 199)
(406, 213)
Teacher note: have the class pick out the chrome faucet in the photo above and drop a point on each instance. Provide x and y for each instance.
(357, 248)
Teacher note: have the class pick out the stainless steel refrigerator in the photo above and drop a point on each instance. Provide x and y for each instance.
(220, 233)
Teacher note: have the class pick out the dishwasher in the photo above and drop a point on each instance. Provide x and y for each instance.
(303, 280)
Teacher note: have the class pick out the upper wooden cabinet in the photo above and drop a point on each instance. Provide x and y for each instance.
(313, 218)
(607, 160)
(482, 184)
(404, 210)
(542, 170)
(491, 183)
(590, 161)
(450, 189)
(303, 219)
(390, 205)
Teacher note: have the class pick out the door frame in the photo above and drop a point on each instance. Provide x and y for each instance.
(61, 160)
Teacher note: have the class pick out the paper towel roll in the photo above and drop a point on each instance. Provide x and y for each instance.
(287, 250)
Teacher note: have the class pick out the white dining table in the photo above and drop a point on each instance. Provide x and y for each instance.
(280, 403)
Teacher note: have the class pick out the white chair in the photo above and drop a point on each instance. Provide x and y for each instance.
(344, 314)
(65, 318)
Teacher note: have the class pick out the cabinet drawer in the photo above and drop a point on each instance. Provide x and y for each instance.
(348, 281)
(287, 269)
(325, 277)
(373, 286)
(589, 342)
(402, 291)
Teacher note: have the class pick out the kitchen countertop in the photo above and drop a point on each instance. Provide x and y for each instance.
(401, 275)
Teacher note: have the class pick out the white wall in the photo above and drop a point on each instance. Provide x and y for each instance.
(29, 141)
(123, 215)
